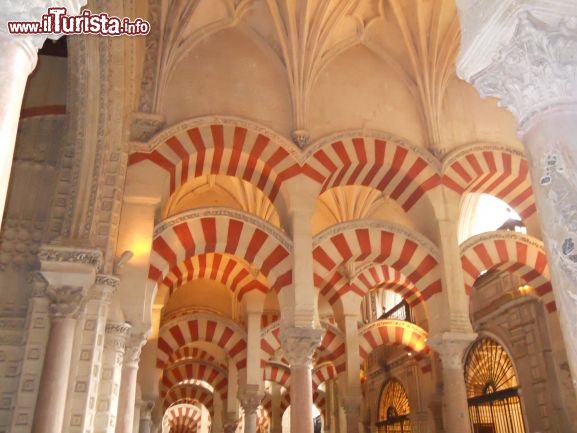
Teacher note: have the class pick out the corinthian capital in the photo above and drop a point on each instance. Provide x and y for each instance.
(451, 348)
(32, 10)
(66, 301)
(299, 345)
(520, 52)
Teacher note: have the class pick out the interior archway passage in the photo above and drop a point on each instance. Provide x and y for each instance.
(492, 389)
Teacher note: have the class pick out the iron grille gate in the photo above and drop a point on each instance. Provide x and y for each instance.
(399, 424)
(499, 412)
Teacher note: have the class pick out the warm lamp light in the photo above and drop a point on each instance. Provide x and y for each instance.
(140, 247)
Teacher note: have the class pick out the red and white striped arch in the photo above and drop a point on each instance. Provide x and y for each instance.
(392, 332)
(332, 348)
(269, 342)
(201, 327)
(320, 401)
(277, 373)
(376, 242)
(285, 402)
(503, 173)
(391, 279)
(225, 268)
(403, 172)
(230, 147)
(195, 369)
(190, 393)
(511, 252)
(193, 354)
(224, 231)
(323, 372)
(262, 419)
(183, 418)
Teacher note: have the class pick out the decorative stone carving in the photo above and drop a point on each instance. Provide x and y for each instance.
(301, 138)
(32, 10)
(105, 286)
(536, 69)
(145, 126)
(250, 402)
(66, 301)
(299, 345)
(19, 243)
(63, 254)
(133, 350)
(37, 284)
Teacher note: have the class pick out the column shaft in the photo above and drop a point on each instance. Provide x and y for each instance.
(301, 399)
(49, 414)
(18, 59)
(551, 146)
(127, 398)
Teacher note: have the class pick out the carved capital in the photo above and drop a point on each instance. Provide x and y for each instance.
(352, 405)
(250, 402)
(37, 284)
(144, 127)
(451, 348)
(71, 255)
(116, 335)
(32, 10)
(299, 345)
(66, 301)
(528, 63)
(134, 346)
(105, 286)
(301, 137)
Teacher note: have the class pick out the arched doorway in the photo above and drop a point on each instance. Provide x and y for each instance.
(492, 389)
(394, 409)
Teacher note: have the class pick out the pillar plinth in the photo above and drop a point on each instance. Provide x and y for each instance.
(299, 345)
(530, 65)
(451, 349)
(127, 397)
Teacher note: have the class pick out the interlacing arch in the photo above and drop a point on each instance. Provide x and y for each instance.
(183, 418)
(225, 268)
(195, 369)
(393, 332)
(190, 393)
(202, 327)
(358, 158)
(501, 172)
(224, 145)
(508, 252)
(379, 243)
(224, 231)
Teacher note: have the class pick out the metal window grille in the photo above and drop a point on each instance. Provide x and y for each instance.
(401, 311)
(492, 390)
(394, 409)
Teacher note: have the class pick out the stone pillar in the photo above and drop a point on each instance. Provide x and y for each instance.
(230, 422)
(525, 56)
(352, 401)
(299, 345)
(250, 402)
(69, 273)
(352, 407)
(115, 338)
(127, 397)
(17, 60)
(146, 416)
(451, 349)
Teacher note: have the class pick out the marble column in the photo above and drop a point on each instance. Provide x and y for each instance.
(451, 349)
(65, 306)
(146, 416)
(525, 57)
(127, 397)
(275, 416)
(17, 60)
(250, 403)
(70, 272)
(352, 407)
(299, 345)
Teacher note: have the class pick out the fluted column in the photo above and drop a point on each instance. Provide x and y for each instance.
(70, 272)
(18, 57)
(525, 56)
(451, 349)
(127, 397)
(299, 345)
